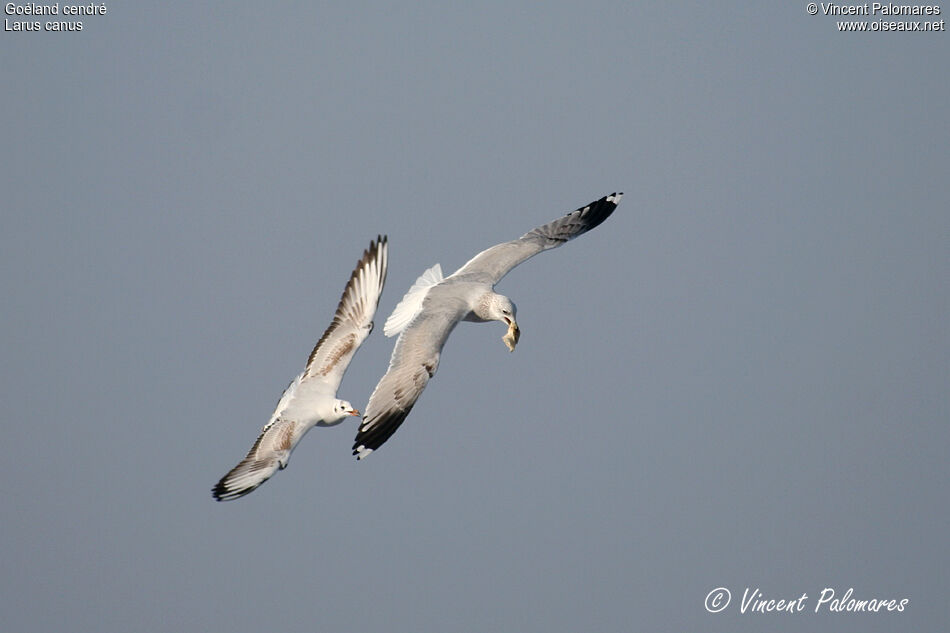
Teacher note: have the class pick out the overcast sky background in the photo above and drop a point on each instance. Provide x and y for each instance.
(739, 380)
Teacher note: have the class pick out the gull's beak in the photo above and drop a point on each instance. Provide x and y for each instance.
(510, 339)
(355, 412)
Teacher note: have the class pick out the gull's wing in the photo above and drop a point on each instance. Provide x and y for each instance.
(410, 305)
(415, 359)
(494, 263)
(353, 320)
(269, 453)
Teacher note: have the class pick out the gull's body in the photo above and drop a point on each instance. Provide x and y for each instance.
(434, 306)
(311, 400)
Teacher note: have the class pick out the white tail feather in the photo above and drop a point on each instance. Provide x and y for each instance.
(411, 303)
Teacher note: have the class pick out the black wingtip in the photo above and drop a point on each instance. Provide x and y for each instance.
(374, 245)
(596, 212)
(376, 434)
(222, 492)
(219, 492)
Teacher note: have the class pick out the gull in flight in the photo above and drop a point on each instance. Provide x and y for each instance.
(311, 400)
(432, 308)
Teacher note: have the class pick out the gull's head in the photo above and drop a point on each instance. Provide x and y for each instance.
(342, 408)
(503, 309)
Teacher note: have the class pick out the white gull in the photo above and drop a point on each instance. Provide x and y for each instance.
(432, 308)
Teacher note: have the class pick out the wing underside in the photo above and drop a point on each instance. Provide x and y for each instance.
(353, 320)
(494, 263)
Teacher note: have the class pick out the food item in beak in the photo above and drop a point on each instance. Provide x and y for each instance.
(510, 339)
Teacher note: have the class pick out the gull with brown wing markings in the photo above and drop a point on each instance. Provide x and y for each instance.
(311, 400)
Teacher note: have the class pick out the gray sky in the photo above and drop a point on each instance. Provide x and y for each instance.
(739, 380)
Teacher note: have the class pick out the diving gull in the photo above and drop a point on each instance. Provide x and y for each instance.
(311, 400)
(432, 308)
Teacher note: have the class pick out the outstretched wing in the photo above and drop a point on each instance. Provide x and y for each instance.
(415, 359)
(269, 453)
(492, 264)
(353, 320)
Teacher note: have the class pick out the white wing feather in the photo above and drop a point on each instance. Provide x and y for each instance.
(411, 304)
